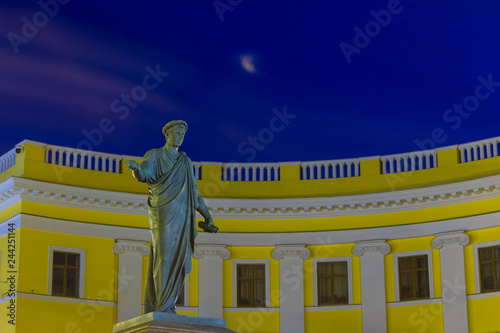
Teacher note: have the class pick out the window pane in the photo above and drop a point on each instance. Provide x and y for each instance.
(497, 252)
(259, 293)
(71, 282)
(325, 268)
(340, 288)
(59, 258)
(325, 291)
(486, 254)
(422, 284)
(405, 263)
(73, 259)
(497, 287)
(421, 261)
(406, 282)
(487, 277)
(340, 268)
(244, 271)
(259, 271)
(57, 281)
(244, 293)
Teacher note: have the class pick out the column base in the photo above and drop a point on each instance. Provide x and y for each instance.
(159, 322)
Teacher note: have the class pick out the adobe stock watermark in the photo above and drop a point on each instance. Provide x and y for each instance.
(121, 106)
(426, 314)
(40, 19)
(372, 29)
(223, 6)
(251, 146)
(455, 115)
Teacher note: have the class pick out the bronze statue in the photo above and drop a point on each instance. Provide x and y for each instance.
(172, 204)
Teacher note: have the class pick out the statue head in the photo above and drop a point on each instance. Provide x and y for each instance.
(179, 128)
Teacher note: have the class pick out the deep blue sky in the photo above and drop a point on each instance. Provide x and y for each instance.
(226, 76)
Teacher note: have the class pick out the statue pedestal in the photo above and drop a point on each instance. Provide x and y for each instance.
(159, 322)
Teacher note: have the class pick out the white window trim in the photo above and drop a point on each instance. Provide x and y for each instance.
(349, 278)
(82, 253)
(235, 279)
(477, 275)
(397, 255)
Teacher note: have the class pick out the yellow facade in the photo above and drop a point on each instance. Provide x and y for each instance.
(47, 206)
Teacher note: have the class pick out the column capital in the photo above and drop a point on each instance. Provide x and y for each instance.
(372, 246)
(125, 246)
(450, 238)
(203, 250)
(290, 251)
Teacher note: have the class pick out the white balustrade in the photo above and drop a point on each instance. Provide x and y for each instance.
(8, 160)
(82, 159)
(416, 160)
(330, 169)
(196, 170)
(479, 150)
(250, 171)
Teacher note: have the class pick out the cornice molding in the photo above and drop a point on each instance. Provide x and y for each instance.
(125, 246)
(203, 250)
(15, 189)
(450, 238)
(290, 251)
(373, 246)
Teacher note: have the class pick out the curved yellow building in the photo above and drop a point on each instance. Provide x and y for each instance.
(400, 243)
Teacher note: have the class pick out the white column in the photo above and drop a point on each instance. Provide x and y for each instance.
(373, 303)
(451, 246)
(210, 278)
(129, 277)
(291, 259)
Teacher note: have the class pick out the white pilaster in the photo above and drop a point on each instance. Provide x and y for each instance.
(129, 277)
(373, 303)
(210, 278)
(291, 259)
(454, 295)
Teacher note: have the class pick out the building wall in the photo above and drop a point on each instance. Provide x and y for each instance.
(307, 220)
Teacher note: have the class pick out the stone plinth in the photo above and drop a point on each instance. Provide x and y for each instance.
(159, 322)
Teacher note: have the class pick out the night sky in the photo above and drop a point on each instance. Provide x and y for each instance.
(255, 80)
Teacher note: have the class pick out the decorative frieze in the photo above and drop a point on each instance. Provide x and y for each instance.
(450, 238)
(374, 246)
(203, 250)
(290, 251)
(129, 246)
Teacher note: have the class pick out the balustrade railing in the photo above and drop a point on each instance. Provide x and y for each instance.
(330, 169)
(417, 160)
(250, 171)
(8, 160)
(310, 170)
(479, 150)
(82, 159)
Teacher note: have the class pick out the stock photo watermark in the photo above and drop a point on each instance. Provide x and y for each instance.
(30, 27)
(223, 6)
(363, 37)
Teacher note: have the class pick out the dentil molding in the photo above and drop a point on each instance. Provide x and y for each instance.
(15, 189)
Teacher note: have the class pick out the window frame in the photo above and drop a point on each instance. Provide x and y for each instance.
(81, 282)
(237, 262)
(477, 265)
(349, 279)
(430, 271)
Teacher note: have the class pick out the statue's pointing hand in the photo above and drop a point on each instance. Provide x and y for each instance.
(133, 165)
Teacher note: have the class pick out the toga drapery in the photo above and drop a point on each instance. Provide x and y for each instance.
(172, 209)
